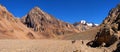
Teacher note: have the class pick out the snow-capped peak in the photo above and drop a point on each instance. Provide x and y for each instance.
(88, 24)
(97, 24)
(83, 22)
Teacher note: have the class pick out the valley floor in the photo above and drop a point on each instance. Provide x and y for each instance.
(47, 46)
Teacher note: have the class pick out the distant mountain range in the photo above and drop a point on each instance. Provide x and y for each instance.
(83, 22)
(84, 25)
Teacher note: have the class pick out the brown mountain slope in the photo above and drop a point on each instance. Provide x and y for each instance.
(110, 29)
(47, 25)
(85, 35)
(11, 28)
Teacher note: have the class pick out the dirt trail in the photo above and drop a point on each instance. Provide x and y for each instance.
(47, 46)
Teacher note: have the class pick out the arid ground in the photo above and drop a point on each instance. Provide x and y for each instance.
(47, 46)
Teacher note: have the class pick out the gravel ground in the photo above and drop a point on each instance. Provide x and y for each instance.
(47, 46)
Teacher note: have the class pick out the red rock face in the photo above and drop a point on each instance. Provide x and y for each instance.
(46, 24)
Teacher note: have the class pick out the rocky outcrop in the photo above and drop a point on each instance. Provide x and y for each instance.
(106, 35)
(109, 32)
(46, 24)
(117, 47)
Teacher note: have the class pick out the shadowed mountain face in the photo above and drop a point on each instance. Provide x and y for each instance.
(47, 25)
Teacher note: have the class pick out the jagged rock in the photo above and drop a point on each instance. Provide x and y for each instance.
(30, 35)
(44, 23)
(118, 48)
(109, 32)
(106, 35)
(113, 16)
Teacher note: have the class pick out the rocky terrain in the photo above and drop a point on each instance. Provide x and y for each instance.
(12, 28)
(46, 25)
(37, 24)
(38, 31)
(109, 32)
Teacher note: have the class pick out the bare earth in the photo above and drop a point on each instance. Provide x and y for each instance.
(47, 46)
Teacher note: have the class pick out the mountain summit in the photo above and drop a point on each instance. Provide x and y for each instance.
(84, 25)
(46, 24)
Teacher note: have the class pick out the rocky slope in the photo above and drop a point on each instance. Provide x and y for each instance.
(109, 30)
(12, 28)
(47, 25)
(36, 24)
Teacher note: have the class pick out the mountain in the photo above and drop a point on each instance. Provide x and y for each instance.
(46, 25)
(12, 28)
(38, 24)
(109, 31)
(84, 25)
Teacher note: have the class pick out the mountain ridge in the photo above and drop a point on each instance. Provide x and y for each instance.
(46, 24)
(39, 24)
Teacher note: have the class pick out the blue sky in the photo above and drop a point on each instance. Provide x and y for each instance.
(66, 10)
